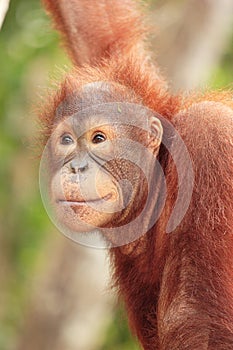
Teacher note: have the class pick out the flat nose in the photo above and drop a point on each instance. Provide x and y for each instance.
(78, 166)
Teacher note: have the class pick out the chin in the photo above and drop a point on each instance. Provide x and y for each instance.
(80, 217)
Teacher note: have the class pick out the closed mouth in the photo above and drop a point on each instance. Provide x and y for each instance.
(83, 201)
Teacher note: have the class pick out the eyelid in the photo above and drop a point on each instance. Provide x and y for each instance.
(98, 132)
(66, 134)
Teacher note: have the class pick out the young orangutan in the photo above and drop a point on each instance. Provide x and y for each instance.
(176, 276)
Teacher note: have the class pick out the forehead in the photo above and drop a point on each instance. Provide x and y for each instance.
(113, 113)
(91, 94)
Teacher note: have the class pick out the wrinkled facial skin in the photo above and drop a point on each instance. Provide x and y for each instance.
(96, 169)
(85, 190)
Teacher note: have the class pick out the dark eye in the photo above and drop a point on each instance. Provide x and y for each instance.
(66, 140)
(98, 138)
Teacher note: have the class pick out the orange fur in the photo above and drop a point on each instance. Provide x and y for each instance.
(96, 29)
(177, 287)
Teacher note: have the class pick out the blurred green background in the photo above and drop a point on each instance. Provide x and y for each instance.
(29, 56)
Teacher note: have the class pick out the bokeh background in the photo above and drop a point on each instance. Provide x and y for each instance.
(55, 294)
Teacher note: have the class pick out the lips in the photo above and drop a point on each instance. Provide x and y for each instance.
(83, 201)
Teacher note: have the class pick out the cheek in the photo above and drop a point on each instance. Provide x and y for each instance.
(104, 186)
(63, 185)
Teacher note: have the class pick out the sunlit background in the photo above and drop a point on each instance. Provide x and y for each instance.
(55, 294)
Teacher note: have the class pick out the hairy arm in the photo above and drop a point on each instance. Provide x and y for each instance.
(96, 29)
(195, 309)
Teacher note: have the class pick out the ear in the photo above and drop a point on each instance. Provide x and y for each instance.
(155, 134)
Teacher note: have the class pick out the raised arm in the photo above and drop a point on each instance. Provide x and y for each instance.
(96, 29)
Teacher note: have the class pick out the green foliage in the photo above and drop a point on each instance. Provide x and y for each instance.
(29, 49)
(23, 220)
(222, 75)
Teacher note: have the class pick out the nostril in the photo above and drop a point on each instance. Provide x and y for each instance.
(74, 166)
(78, 167)
(83, 166)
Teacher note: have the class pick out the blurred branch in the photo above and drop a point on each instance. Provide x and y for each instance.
(70, 308)
(193, 36)
(4, 5)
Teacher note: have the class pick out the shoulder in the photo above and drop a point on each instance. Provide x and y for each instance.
(208, 120)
